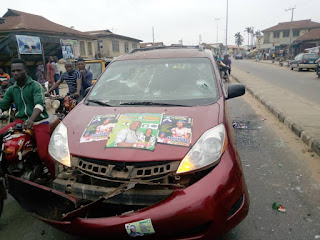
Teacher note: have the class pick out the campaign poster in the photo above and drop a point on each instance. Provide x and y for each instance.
(175, 130)
(99, 128)
(140, 228)
(69, 49)
(135, 130)
(29, 44)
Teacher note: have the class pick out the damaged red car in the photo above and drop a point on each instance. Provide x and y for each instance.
(150, 152)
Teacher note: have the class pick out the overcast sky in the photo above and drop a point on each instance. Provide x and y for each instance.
(172, 19)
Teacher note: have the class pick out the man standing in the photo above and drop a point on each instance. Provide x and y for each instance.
(50, 71)
(28, 96)
(86, 76)
(56, 72)
(72, 78)
(4, 78)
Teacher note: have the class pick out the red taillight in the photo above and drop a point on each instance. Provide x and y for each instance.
(303, 61)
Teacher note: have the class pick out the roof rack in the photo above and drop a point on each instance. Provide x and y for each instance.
(164, 47)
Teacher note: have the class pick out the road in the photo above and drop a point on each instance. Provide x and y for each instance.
(277, 167)
(304, 83)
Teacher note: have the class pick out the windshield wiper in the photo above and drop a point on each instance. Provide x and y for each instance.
(99, 102)
(152, 104)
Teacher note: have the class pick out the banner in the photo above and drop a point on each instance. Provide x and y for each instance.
(29, 44)
(69, 49)
(135, 130)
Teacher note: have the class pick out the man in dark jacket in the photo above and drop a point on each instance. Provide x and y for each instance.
(28, 96)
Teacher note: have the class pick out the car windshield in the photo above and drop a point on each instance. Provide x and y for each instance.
(310, 56)
(180, 81)
(95, 68)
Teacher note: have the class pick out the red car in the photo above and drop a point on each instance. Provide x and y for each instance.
(149, 152)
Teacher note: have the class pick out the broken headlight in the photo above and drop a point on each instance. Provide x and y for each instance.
(206, 152)
(58, 146)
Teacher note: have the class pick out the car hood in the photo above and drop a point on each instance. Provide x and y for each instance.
(204, 118)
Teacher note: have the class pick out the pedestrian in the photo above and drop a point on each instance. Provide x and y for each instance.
(50, 72)
(4, 78)
(56, 72)
(40, 74)
(273, 56)
(86, 76)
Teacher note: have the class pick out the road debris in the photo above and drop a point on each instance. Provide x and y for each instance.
(279, 207)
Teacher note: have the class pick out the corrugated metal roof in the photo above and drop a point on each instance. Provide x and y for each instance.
(16, 20)
(314, 34)
(301, 24)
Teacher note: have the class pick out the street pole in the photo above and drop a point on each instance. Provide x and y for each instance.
(217, 19)
(290, 32)
(152, 36)
(227, 26)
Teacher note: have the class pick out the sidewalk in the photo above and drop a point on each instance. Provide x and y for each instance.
(300, 115)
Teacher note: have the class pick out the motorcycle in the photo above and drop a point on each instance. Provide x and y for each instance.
(61, 106)
(18, 157)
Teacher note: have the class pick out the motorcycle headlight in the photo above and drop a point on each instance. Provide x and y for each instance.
(58, 146)
(206, 152)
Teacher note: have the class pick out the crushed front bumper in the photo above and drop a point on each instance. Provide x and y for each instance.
(208, 208)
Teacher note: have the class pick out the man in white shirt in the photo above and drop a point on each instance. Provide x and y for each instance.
(128, 137)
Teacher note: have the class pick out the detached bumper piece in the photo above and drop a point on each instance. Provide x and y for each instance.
(40, 200)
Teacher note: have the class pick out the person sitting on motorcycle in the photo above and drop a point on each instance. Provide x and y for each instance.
(73, 80)
(28, 96)
(227, 62)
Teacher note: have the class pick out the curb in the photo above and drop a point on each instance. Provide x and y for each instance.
(298, 130)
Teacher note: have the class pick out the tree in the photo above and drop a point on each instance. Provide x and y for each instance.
(248, 30)
(238, 39)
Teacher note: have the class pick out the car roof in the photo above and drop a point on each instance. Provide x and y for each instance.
(162, 53)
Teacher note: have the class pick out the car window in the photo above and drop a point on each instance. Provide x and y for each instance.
(310, 56)
(173, 80)
(298, 57)
(95, 68)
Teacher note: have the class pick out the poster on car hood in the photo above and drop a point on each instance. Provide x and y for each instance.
(175, 130)
(135, 130)
(99, 128)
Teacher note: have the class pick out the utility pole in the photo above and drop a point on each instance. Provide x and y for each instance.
(290, 33)
(200, 39)
(152, 36)
(217, 19)
(227, 26)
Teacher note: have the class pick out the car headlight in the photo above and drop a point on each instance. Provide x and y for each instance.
(206, 152)
(58, 146)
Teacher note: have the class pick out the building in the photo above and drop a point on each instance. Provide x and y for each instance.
(278, 37)
(110, 45)
(16, 23)
(218, 48)
(233, 49)
(307, 41)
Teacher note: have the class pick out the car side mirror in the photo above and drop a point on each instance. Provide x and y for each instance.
(236, 90)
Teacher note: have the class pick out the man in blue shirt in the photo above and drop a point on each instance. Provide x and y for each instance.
(86, 76)
(73, 80)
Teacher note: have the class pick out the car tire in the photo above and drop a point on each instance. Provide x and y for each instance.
(291, 68)
(299, 69)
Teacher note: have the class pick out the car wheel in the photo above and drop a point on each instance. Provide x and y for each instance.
(291, 68)
(299, 69)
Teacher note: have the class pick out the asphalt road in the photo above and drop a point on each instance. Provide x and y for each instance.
(277, 167)
(304, 83)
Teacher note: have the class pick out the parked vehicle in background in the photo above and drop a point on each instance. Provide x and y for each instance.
(154, 154)
(238, 56)
(304, 61)
(96, 67)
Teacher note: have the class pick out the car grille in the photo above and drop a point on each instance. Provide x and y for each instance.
(121, 171)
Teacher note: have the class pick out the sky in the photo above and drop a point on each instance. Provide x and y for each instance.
(172, 20)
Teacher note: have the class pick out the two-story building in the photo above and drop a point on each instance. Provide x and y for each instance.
(110, 45)
(278, 36)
